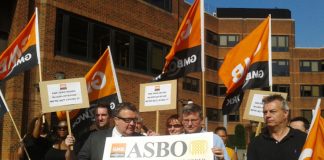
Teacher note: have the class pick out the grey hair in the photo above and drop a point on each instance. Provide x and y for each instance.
(271, 98)
(192, 108)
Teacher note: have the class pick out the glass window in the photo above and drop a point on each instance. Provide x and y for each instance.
(228, 40)
(77, 39)
(222, 90)
(282, 88)
(84, 39)
(280, 68)
(234, 116)
(215, 89)
(101, 40)
(310, 66)
(280, 43)
(211, 37)
(211, 88)
(163, 4)
(157, 59)
(214, 114)
(59, 32)
(213, 63)
(122, 49)
(140, 54)
(191, 84)
(309, 91)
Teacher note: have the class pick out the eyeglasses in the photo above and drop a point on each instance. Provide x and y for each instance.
(186, 121)
(175, 126)
(62, 128)
(128, 120)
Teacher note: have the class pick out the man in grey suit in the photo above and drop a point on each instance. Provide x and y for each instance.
(125, 118)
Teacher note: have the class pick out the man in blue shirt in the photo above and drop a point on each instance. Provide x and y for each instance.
(192, 119)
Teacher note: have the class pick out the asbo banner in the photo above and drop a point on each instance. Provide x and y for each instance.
(177, 147)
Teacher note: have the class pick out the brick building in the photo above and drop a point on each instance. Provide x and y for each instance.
(73, 34)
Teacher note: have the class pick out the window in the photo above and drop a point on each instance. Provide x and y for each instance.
(282, 88)
(163, 4)
(285, 88)
(280, 68)
(156, 62)
(228, 40)
(85, 39)
(211, 88)
(215, 89)
(234, 116)
(101, 40)
(311, 91)
(211, 37)
(311, 66)
(280, 43)
(191, 84)
(77, 37)
(214, 114)
(140, 54)
(122, 49)
(213, 63)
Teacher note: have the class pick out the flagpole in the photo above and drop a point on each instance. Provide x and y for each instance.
(19, 136)
(270, 54)
(37, 45)
(114, 76)
(258, 130)
(203, 83)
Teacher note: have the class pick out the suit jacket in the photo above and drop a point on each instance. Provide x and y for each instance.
(94, 146)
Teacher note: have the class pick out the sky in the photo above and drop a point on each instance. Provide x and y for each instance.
(308, 16)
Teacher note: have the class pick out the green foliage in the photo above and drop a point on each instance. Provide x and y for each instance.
(239, 139)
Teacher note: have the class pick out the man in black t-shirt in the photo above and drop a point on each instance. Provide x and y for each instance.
(277, 141)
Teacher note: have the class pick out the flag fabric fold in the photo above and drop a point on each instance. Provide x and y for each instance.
(246, 65)
(23, 53)
(314, 145)
(186, 54)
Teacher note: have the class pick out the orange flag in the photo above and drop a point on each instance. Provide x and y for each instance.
(314, 146)
(102, 81)
(247, 65)
(102, 85)
(242, 62)
(23, 53)
(186, 54)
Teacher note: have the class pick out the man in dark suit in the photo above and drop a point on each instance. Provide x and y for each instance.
(125, 118)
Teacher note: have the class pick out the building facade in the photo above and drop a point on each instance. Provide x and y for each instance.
(73, 35)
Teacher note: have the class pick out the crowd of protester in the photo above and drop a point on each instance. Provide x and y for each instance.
(280, 136)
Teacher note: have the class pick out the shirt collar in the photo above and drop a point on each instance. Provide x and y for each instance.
(115, 133)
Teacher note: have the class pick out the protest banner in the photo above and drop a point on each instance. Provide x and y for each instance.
(158, 96)
(254, 106)
(66, 94)
(176, 147)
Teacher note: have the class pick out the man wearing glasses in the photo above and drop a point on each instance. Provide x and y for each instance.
(125, 117)
(192, 119)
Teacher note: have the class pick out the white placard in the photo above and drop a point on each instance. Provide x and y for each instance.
(177, 147)
(254, 106)
(257, 105)
(64, 94)
(157, 95)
